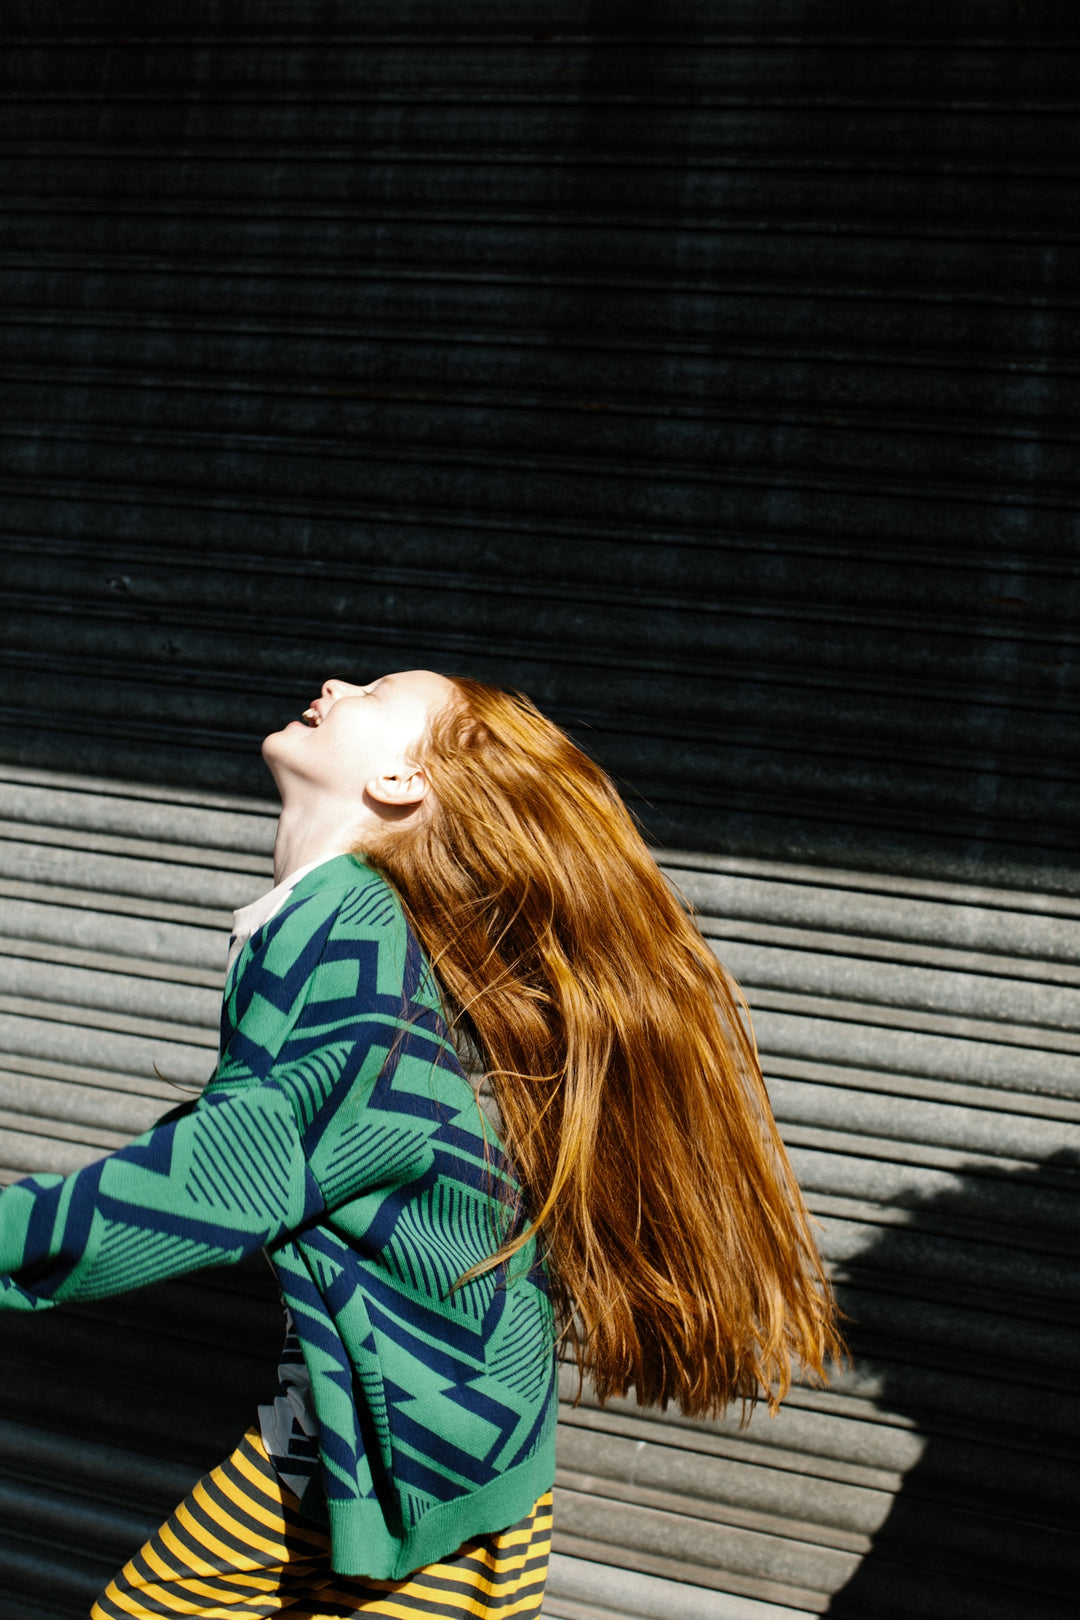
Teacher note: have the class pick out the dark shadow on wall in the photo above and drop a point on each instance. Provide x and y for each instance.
(109, 1412)
(968, 1318)
(694, 368)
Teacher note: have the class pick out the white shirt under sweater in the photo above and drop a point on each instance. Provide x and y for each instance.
(289, 1427)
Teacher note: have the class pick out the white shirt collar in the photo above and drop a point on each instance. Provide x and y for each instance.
(251, 917)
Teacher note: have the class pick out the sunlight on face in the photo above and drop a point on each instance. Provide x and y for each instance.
(351, 735)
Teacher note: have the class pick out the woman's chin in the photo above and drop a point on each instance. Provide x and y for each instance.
(291, 729)
(276, 741)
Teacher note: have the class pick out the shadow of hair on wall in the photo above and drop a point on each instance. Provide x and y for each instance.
(966, 1320)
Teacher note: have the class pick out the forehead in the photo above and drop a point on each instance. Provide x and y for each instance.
(420, 686)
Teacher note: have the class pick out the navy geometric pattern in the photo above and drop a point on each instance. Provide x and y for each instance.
(339, 1132)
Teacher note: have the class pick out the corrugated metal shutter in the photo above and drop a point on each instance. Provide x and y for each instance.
(706, 369)
(920, 1042)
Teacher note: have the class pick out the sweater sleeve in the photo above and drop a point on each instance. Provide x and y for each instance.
(202, 1190)
(232, 1174)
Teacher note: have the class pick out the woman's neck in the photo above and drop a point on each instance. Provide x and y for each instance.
(306, 834)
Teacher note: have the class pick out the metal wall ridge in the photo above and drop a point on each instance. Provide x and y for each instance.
(1037, 1034)
(143, 270)
(990, 896)
(180, 999)
(132, 875)
(573, 1582)
(70, 838)
(100, 788)
(743, 455)
(37, 941)
(117, 497)
(75, 566)
(695, 1439)
(973, 963)
(918, 1088)
(41, 896)
(691, 424)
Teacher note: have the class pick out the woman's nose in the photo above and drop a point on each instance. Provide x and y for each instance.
(332, 687)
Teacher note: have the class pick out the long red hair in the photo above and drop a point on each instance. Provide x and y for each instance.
(623, 1065)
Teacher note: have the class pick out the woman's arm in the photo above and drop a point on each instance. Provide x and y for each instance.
(203, 1190)
(314, 1007)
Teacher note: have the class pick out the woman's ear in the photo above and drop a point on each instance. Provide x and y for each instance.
(399, 788)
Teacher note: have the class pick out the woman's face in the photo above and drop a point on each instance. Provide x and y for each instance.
(353, 736)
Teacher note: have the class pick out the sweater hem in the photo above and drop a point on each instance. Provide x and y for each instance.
(362, 1545)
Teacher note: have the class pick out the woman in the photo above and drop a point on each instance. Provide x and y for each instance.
(454, 877)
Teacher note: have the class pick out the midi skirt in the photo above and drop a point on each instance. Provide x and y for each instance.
(238, 1548)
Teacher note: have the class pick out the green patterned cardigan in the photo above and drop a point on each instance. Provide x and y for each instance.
(339, 1132)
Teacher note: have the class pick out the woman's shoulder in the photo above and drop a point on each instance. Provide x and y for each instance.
(342, 885)
(335, 911)
(341, 874)
(346, 893)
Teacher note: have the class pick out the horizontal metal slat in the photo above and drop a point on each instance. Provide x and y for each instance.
(802, 1446)
(930, 1194)
(851, 257)
(75, 505)
(105, 983)
(797, 579)
(147, 848)
(580, 1589)
(60, 865)
(109, 1021)
(758, 1501)
(918, 1119)
(801, 1031)
(719, 1490)
(28, 1153)
(675, 1545)
(100, 935)
(181, 1055)
(53, 1516)
(311, 383)
(760, 681)
(105, 1106)
(908, 325)
(969, 1270)
(673, 62)
(187, 919)
(681, 455)
(192, 831)
(973, 1004)
(434, 125)
(595, 192)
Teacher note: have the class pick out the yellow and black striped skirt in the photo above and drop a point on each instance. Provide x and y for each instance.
(238, 1548)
